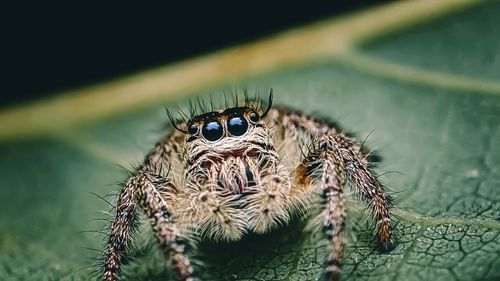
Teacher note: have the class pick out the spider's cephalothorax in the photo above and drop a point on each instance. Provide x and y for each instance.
(243, 169)
(230, 162)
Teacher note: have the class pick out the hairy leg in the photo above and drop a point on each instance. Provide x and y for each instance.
(168, 234)
(152, 174)
(371, 190)
(355, 161)
(324, 165)
(121, 231)
(144, 189)
(332, 158)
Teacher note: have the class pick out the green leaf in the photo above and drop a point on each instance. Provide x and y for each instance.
(430, 94)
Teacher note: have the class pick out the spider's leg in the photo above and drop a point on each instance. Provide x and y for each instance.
(332, 158)
(324, 164)
(168, 234)
(143, 190)
(355, 162)
(368, 186)
(121, 231)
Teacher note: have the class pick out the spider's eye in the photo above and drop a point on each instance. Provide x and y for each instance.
(193, 129)
(254, 117)
(237, 125)
(212, 130)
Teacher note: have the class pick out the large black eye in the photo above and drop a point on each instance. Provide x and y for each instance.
(212, 130)
(237, 125)
(254, 117)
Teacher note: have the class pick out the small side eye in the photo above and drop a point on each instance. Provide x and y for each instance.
(254, 117)
(237, 125)
(212, 130)
(193, 129)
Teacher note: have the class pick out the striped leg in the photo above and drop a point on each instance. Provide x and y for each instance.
(144, 189)
(334, 158)
(168, 234)
(324, 164)
(121, 231)
(367, 185)
(355, 161)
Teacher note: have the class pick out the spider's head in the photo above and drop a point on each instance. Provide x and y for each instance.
(219, 127)
(229, 149)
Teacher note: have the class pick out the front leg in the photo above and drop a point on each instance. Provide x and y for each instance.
(353, 158)
(168, 234)
(121, 231)
(144, 189)
(324, 165)
(333, 158)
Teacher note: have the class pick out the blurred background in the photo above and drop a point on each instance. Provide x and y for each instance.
(54, 48)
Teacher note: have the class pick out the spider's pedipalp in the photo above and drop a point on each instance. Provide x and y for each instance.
(218, 218)
(269, 205)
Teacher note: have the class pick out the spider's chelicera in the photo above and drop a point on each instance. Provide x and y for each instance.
(243, 169)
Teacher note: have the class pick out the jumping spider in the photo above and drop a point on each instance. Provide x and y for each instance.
(243, 169)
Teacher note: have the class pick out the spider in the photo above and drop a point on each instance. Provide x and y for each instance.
(240, 169)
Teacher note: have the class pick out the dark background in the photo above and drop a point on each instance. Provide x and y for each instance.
(55, 48)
